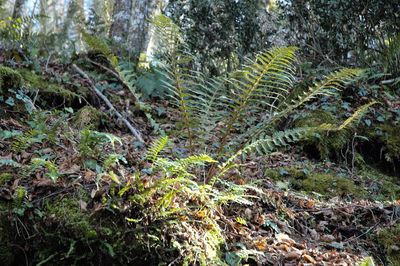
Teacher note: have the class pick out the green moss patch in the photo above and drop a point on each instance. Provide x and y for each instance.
(9, 78)
(390, 239)
(322, 183)
(332, 185)
(36, 82)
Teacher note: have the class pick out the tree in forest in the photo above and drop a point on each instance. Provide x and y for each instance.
(18, 8)
(222, 30)
(131, 24)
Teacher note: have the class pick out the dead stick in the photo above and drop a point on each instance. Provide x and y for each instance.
(134, 131)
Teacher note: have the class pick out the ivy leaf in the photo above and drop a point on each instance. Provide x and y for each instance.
(10, 101)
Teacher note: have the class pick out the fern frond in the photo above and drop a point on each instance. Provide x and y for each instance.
(195, 160)
(260, 87)
(9, 162)
(156, 147)
(327, 87)
(360, 112)
(391, 55)
(173, 60)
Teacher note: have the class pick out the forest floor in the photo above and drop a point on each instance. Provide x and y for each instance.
(305, 212)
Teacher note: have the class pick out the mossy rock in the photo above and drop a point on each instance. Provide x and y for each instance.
(326, 143)
(331, 185)
(9, 78)
(389, 238)
(87, 117)
(35, 82)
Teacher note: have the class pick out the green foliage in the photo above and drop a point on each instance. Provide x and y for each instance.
(87, 117)
(9, 162)
(52, 170)
(9, 78)
(91, 143)
(260, 89)
(389, 238)
(99, 45)
(156, 147)
(225, 32)
(36, 83)
(17, 33)
(41, 130)
(328, 184)
(330, 30)
(391, 56)
(176, 203)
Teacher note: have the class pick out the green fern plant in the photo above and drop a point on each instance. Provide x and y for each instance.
(247, 103)
(391, 56)
(177, 202)
(52, 170)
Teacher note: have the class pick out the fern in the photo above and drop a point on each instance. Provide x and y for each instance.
(156, 147)
(174, 63)
(327, 87)
(267, 144)
(9, 162)
(391, 55)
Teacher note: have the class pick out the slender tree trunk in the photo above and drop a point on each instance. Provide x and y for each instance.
(121, 18)
(18, 8)
(139, 32)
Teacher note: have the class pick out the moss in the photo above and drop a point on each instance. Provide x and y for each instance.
(66, 213)
(284, 173)
(328, 143)
(4, 178)
(87, 117)
(384, 187)
(389, 135)
(331, 185)
(36, 82)
(389, 238)
(9, 78)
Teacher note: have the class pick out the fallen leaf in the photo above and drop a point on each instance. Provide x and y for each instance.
(309, 259)
(294, 255)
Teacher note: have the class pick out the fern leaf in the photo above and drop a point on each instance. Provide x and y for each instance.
(328, 87)
(356, 115)
(156, 147)
(261, 86)
(9, 162)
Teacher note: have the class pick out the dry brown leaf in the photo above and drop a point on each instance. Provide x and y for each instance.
(293, 255)
(260, 244)
(309, 259)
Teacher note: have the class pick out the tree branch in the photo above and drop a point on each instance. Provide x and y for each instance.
(134, 131)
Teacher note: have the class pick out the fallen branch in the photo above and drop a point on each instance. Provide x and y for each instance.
(134, 131)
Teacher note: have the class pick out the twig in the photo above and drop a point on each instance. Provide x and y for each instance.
(105, 68)
(134, 131)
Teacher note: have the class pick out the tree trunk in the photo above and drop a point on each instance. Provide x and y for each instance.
(18, 8)
(121, 17)
(139, 32)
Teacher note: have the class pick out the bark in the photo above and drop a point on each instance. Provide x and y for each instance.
(18, 8)
(121, 18)
(139, 32)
